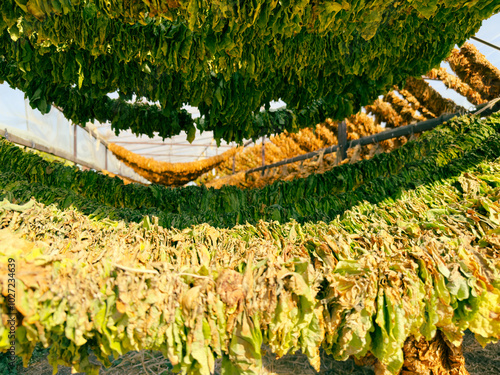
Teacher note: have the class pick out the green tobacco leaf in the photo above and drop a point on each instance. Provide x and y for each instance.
(244, 351)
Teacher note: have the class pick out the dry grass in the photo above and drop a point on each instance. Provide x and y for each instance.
(479, 361)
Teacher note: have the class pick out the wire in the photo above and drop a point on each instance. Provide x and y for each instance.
(485, 42)
(491, 104)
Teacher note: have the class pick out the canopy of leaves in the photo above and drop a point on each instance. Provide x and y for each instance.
(229, 59)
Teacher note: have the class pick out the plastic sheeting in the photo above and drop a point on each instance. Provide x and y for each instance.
(54, 131)
(174, 150)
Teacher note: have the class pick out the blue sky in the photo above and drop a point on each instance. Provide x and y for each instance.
(490, 31)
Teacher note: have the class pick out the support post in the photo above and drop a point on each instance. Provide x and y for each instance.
(74, 141)
(263, 154)
(342, 138)
(234, 163)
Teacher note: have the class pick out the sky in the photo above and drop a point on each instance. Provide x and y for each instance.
(490, 32)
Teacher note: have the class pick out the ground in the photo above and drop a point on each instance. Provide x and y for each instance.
(479, 361)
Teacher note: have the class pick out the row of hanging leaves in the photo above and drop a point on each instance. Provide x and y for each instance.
(424, 264)
(317, 197)
(229, 61)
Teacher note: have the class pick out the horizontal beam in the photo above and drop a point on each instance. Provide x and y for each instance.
(170, 144)
(485, 109)
(166, 156)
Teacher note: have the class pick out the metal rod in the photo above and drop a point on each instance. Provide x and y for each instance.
(177, 156)
(382, 136)
(169, 144)
(485, 42)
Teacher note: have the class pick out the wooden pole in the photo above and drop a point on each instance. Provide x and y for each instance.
(342, 138)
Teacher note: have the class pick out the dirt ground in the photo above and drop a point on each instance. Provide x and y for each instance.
(479, 361)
